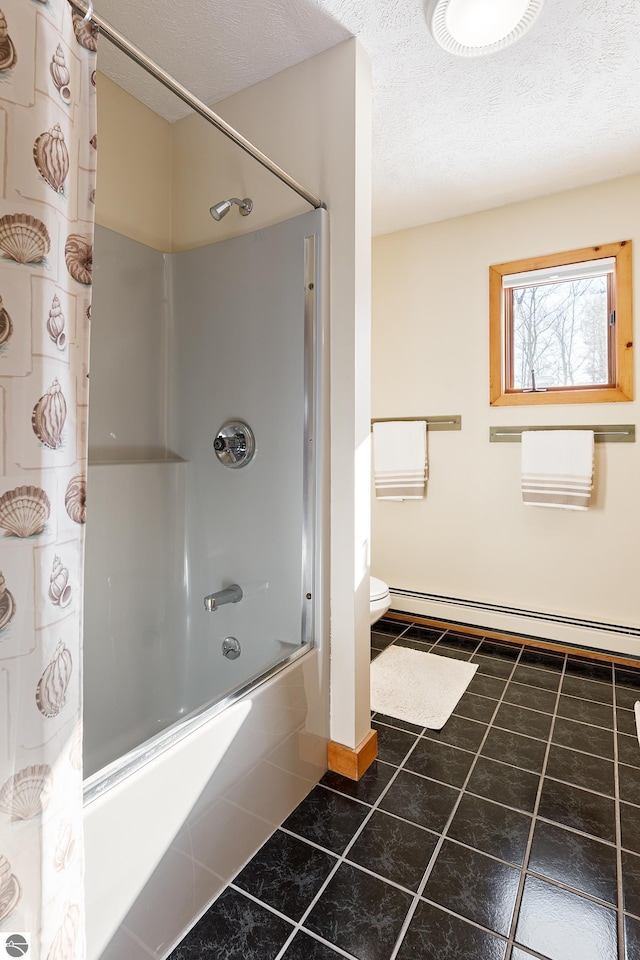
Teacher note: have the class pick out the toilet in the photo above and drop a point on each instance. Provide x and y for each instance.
(379, 597)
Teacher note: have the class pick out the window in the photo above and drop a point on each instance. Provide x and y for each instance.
(561, 327)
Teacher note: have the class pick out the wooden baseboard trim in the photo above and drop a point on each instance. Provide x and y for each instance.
(353, 763)
(539, 644)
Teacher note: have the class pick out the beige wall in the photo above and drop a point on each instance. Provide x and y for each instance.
(471, 537)
(133, 190)
(208, 167)
(314, 120)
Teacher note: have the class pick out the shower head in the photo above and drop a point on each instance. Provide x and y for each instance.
(220, 210)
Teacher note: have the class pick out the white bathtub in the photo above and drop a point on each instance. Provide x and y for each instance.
(162, 843)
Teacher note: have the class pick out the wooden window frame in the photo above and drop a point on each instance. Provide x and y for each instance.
(620, 334)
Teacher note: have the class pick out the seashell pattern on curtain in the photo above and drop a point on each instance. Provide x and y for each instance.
(47, 189)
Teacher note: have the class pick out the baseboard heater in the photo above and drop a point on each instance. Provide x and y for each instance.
(550, 627)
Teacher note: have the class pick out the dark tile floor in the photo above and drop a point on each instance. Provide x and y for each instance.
(512, 833)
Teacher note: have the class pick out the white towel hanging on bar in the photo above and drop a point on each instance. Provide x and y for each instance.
(400, 459)
(557, 468)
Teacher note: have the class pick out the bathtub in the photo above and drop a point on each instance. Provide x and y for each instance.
(163, 841)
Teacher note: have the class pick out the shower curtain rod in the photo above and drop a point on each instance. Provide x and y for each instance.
(120, 41)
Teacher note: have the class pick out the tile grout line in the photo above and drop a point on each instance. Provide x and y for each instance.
(528, 736)
(458, 916)
(436, 852)
(411, 823)
(341, 858)
(138, 941)
(616, 787)
(590, 897)
(479, 796)
(534, 819)
(283, 916)
(455, 746)
(563, 745)
(630, 913)
(579, 833)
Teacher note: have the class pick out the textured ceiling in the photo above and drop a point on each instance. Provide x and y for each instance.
(214, 47)
(451, 135)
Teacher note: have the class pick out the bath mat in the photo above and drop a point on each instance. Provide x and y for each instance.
(418, 687)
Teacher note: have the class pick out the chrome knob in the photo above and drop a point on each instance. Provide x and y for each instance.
(231, 648)
(237, 444)
(234, 444)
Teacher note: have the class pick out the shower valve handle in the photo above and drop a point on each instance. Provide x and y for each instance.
(236, 444)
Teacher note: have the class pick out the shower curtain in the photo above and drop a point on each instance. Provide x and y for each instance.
(47, 180)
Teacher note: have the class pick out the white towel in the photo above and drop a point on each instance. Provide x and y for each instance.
(400, 459)
(557, 468)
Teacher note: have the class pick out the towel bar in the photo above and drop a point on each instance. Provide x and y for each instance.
(453, 422)
(605, 432)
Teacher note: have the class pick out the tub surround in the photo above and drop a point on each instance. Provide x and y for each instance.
(154, 653)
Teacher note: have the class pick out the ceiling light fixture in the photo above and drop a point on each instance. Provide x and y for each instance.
(473, 28)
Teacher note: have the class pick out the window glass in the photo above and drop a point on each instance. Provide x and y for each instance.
(560, 333)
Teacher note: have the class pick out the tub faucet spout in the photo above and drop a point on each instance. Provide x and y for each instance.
(231, 594)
